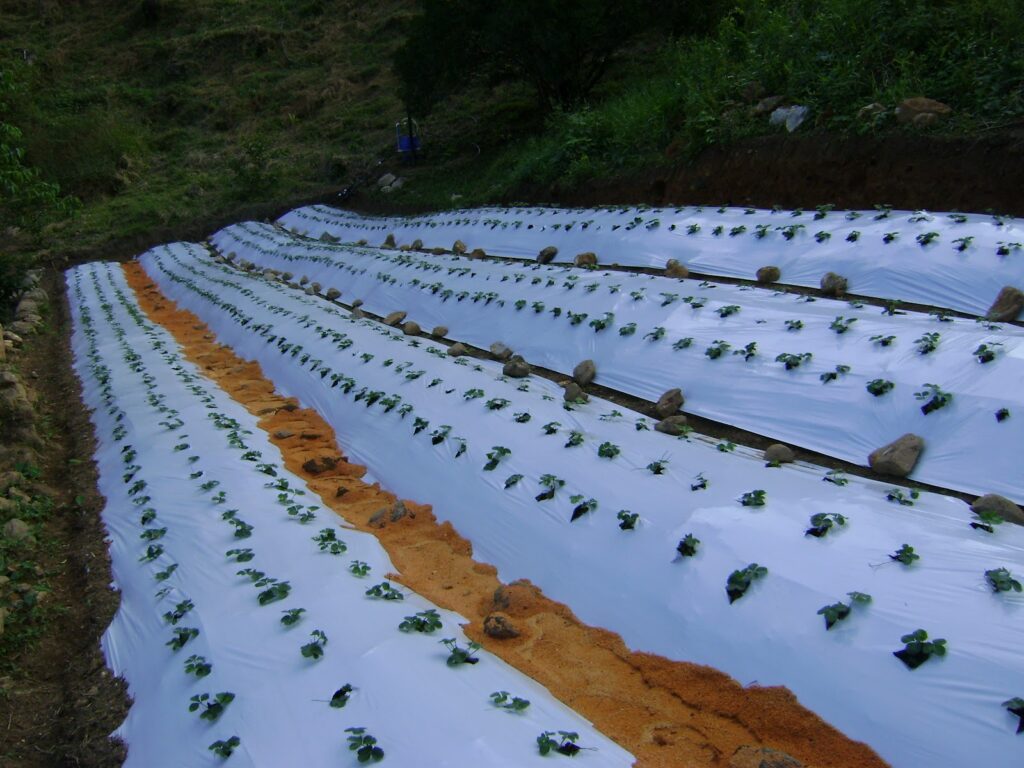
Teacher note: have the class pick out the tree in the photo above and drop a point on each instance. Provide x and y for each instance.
(561, 48)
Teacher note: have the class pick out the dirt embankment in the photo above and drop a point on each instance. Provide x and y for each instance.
(667, 713)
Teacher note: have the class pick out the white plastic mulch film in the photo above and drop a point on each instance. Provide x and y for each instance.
(951, 260)
(822, 374)
(511, 466)
(204, 523)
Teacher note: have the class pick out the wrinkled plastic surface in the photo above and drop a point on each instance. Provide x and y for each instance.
(421, 711)
(481, 302)
(945, 714)
(935, 274)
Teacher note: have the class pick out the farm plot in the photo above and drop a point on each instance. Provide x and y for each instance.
(253, 626)
(951, 260)
(840, 378)
(688, 549)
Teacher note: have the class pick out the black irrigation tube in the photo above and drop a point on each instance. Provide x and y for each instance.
(710, 428)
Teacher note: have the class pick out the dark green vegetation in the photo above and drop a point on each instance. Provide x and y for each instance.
(168, 118)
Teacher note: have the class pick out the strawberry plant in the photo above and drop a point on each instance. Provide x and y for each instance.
(879, 387)
(384, 591)
(1015, 706)
(740, 580)
(986, 353)
(927, 343)
(181, 636)
(212, 708)
(364, 745)
(896, 496)
(514, 704)
(838, 611)
(198, 666)
(828, 376)
(173, 617)
(854, 236)
(292, 616)
(327, 541)
(575, 439)
(600, 323)
(627, 520)
(358, 568)
(608, 450)
(521, 418)
(657, 467)
(628, 329)
(494, 456)
(727, 310)
(275, 592)
(457, 655)
(427, 621)
(986, 521)
(683, 343)
(341, 696)
(726, 446)
(582, 507)
(835, 477)
(222, 748)
(888, 237)
(927, 237)
(792, 361)
(841, 325)
(919, 649)
(314, 649)
(512, 480)
(749, 352)
(935, 397)
(656, 335)
(1001, 580)
(883, 341)
(497, 403)
(551, 427)
(552, 484)
(1002, 414)
(688, 545)
(794, 325)
(905, 554)
(717, 349)
(753, 498)
(564, 744)
(823, 522)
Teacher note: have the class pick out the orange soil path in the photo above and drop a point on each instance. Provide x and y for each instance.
(666, 713)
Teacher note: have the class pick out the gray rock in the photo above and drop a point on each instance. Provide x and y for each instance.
(833, 284)
(356, 303)
(669, 403)
(779, 454)
(674, 269)
(573, 393)
(283, 434)
(769, 274)
(516, 368)
(439, 332)
(500, 626)
(547, 255)
(17, 530)
(396, 185)
(287, 276)
(500, 351)
(399, 510)
(899, 457)
(584, 373)
(586, 259)
(8, 379)
(22, 328)
(303, 280)
(762, 757)
(316, 287)
(332, 294)
(458, 247)
(457, 349)
(411, 328)
(379, 518)
(791, 117)
(1000, 505)
(386, 180)
(671, 425)
(394, 318)
(1007, 306)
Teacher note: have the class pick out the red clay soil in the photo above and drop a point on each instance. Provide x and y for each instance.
(666, 713)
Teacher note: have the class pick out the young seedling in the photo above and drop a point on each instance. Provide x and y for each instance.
(510, 703)
(551, 427)
(292, 616)
(688, 545)
(1015, 706)
(212, 708)
(314, 649)
(384, 591)
(823, 522)
(986, 521)
(838, 611)
(879, 387)
(905, 554)
(497, 403)
(494, 456)
(457, 655)
(364, 745)
(564, 744)
(608, 450)
(198, 666)
(224, 749)
(511, 480)
(627, 520)
(740, 580)
(552, 484)
(841, 370)
(883, 341)
(753, 498)
(599, 324)
(896, 496)
(1001, 580)
(427, 621)
(727, 310)
(358, 568)
(919, 649)
(935, 397)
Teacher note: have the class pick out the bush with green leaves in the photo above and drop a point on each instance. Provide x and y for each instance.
(427, 621)
(457, 655)
(1001, 580)
(739, 581)
(918, 648)
(364, 745)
